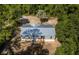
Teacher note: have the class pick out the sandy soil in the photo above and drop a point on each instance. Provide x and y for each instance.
(34, 20)
(50, 45)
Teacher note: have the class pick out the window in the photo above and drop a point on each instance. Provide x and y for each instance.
(42, 37)
(50, 37)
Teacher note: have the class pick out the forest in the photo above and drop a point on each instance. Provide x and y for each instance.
(67, 29)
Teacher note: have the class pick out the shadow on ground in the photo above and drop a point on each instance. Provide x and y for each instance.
(35, 49)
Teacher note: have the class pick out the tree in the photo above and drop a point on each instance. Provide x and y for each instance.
(32, 33)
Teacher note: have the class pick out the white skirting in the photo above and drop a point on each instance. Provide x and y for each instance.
(48, 40)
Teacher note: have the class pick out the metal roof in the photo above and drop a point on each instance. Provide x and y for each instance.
(46, 29)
